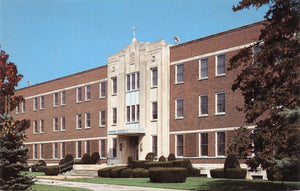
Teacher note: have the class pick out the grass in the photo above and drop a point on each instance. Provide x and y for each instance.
(39, 187)
(196, 183)
(33, 173)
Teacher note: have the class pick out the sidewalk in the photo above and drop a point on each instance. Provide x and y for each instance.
(97, 187)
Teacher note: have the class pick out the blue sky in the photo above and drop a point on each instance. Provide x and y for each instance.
(48, 39)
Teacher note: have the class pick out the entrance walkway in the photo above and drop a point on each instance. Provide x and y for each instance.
(97, 187)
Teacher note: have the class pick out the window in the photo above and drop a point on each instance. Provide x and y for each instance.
(78, 95)
(132, 81)
(203, 66)
(102, 148)
(41, 151)
(154, 145)
(17, 109)
(78, 121)
(102, 118)
(63, 98)
(34, 124)
(115, 115)
(55, 150)
(87, 120)
(220, 143)
(204, 144)
(220, 103)
(55, 99)
(179, 108)
(203, 105)
(179, 145)
(78, 149)
(63, 123)
(220, 66)
(132, 113)
(23, 106)
(55, 124)
(114, 83)
(102, 89)
(137, 112)
(88, 147)
(179, 73)
(128, 113)
(154, 110)
(154, 77)
(128, 82)
(42, 102)
(62, 150)
(114, 153)
(138, 80)
(87, 93)
(35, 152)
(41, 126)
(35, 104)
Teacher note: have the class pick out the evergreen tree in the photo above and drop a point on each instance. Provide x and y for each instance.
(12, 133)
(269, 83)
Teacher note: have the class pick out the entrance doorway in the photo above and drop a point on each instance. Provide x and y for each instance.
(134, 145)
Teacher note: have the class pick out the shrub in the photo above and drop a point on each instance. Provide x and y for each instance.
(66, 167)
(167, 175)
(130, 162)
(231, 162)
(105, 172)
(52, 170)
(137, 172)
(158, 164)
(217, 173)
(162, 159)
(126, 173)
(115, 172)
(235, 173)
(149, 156)
(95, 157)
(185, 163)
(145, 173)
(171, 157)
(39, 167)
(196, 172)
(86, 159)
(139, 164)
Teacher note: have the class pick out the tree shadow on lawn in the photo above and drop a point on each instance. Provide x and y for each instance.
(246, 185)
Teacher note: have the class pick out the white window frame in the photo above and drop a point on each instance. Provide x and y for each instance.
(42, 102)
(176, 114)
(17, 109)
(23, 106)
(100, 118)
(77, 94)
(34, 127)
(41, 149)
(63, 98)
(61, 149)
(63, 125)
(77, 153)
(132, 82)
(55, 95)
(216, 103)
(86, 120)
(77, 118)
(35, 152)
(200, 69)
(176, 152)
(200, 140)
(216, 65)
(35, 107)
(100, 88)
(85, 146)
(87, 93)
(55, 124)
(176, 72)
(200, 105)
(55, 157)
(100, 146)
(42, 126)
(152, 74)
(216, 144)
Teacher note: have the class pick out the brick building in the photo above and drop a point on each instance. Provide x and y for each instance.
(149, 97)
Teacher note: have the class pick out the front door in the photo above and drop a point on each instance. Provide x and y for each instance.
(134, 144)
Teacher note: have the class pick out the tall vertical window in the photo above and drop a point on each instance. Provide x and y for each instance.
(203, 105)
(154, 110)
(114, 115)
(220, 65)
(63, 123)
(220, 103)
(87, 93)
(203, 66)
(88, 147)
(115, 85)
(55, 99)
(114, 149)
(42, 102)
(55, 150)
(102, 148)
(41, 151)
(204, 144)
(34, 124)
(35, 151)
(138, 80)
(42, 126)
(62, 150)
(55, 124)
(179, 108)
(179, 145)
(17, 109)
(23, 106)
(154, 77)
(179, 73)
(128, 113)
(133, 113)
(132, 81)
(102, 118)
(63, 98)
(35, 104)
(78, 94)
(102, 89)
(137, 112)
(87, 120)
(128, 82)
(78, 149)
(220, 143)
(78, 121)
(154, 145)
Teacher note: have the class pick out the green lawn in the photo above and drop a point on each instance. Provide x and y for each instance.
(196, 183)
(33, 173)
(39, 187)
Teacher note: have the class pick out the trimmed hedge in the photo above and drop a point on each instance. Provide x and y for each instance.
(139, 164)
(158, 164)
(168, 175)
(185, 163)
(145, 173)
(150, 156)
(95, 157)
(115, 172)
(137, 172)
(39, 167)
(52, 170)
(231, 162)
(196, 172)
(105, 172)
(171, 157)
(86, 159)
(130, 162)
(162, 159)
(217, 173)
(235, 173)
(67, 158)
(126, 173)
